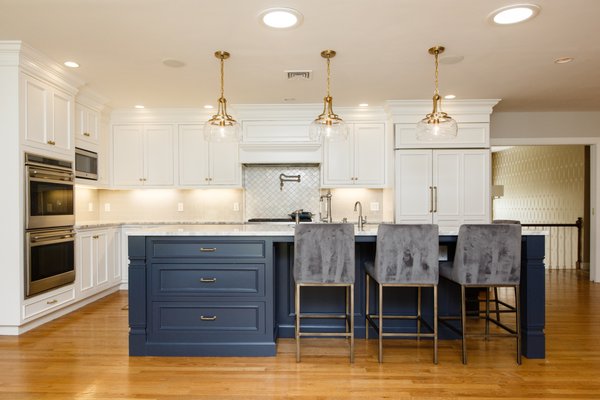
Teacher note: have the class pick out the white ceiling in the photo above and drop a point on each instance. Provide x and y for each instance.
(381, 44)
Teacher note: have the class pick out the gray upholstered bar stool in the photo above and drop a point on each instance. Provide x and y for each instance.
(497, 301)
(324, 256)
(406, 256)
(486, 256)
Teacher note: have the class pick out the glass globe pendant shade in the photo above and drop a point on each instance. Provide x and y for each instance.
(328, 125)
(222, 127)
(437, 125)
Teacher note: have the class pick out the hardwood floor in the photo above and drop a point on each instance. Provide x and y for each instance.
(84, 356)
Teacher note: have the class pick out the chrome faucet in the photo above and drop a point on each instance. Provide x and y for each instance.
(361, 220)
(328, 217)
(297, 215)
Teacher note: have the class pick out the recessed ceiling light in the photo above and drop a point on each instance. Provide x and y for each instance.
(449, 96)
(563, 60)
(208, 106)
(71, 64)
(363, 105)
(139, 106)
(280, 18)
(171, 62)
(514, 14)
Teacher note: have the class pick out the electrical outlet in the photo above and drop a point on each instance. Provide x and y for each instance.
(236, 206)
(107, 207)
(374, 206)
(90, 206)
(179, 206)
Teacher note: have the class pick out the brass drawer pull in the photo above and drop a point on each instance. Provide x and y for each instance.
(208, 249)
(211, 318)
(86, 134)
(52, 301)
(208, 280)
(51, 142)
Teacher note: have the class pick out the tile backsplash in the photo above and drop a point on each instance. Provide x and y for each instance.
(265, 198)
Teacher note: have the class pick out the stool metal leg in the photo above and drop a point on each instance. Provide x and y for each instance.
(297, 326)
(368, 283)
(518, 320)
(419, 313)
(435, 324)
(351, 295)
(496, 300)
(380, 323)
(463, 317)
(487, 313)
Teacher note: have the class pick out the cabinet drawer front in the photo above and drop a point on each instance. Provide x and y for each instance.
(208, 279)
(208, 249)
(48, 303)
(197, 322)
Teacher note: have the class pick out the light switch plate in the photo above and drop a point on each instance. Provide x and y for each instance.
(236, 206)
(107, 207)
(179, 206)
(374, 206)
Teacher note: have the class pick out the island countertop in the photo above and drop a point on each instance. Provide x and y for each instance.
(254, 230)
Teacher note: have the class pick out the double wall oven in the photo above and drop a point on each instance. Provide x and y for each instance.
(49, 220)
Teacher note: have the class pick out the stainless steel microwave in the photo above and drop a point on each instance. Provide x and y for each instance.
(86, 164)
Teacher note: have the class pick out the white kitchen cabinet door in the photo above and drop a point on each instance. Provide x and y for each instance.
(369, 154)
(477, 206)
(202, 163)
(47, 116)
(87, 124)
(224, 165)
(338, 162)
(159, 155)
(102, 259)
(86, 261)
(61, 125)
(114, 255)
(448, 183)
(413, 187)
(193, 156)
(128, 155)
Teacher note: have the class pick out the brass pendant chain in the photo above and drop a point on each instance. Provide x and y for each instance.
(328, 74)
(436, 73)
(222, 77)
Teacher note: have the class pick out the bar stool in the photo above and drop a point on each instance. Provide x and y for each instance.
(497, 301)
(324, 256)
(406, 256)
(486, 256)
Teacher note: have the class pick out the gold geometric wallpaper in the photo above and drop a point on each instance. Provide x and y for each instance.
(543, 185)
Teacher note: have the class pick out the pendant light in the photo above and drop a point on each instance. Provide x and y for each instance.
(222, 127)
(436, 125)
(328, 125)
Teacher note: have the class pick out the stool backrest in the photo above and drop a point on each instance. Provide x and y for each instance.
(407, 254)
(324, 253)
(488, 254)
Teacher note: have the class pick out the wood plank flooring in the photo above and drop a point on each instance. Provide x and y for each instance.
(84, 356)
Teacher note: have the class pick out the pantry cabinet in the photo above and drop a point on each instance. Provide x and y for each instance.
(444, 187)
(206, 164)
(47, 116)
(358, 161)
(143, 155)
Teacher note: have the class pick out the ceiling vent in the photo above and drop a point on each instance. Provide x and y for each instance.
(298, 75)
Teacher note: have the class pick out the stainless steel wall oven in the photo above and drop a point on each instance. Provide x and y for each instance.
(49, 220)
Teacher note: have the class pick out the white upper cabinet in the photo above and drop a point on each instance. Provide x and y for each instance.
(358, 161)
(444, 187)
(143, 155)
(206, 164)
(87, 124)
(47, 116)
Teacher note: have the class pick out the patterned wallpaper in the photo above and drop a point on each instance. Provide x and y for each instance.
(543, 184)
(265, 198)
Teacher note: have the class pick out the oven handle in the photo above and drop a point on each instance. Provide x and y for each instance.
(42, 240)
(37, 174)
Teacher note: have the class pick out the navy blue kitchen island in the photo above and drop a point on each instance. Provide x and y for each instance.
(227, 290)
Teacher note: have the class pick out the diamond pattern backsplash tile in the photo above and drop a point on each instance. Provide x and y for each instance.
(264, 199)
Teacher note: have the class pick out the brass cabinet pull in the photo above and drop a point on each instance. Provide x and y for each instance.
(95, 237)
(430, 199)
(51, 142)
(208, 280)
(86, 134)
(208, 249)
(52, 301)
(211, 318)
(435, 202)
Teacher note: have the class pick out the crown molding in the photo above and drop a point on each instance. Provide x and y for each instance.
(91, 99)
(412, 111)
